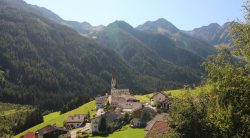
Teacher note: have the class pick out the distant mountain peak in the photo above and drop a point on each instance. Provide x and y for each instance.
(161, 26)
(121, 24)
(213, 33)
(214, 25)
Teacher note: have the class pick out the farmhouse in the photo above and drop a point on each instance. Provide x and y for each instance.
(138, 119)
(29, 135)
(50, 132)
(159, 129)
(159, 117)
(76, 121)
(160, 98)
(113, 120)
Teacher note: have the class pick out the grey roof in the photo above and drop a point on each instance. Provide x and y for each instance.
(76, 118)
(101, 99)
(111, 116)
(163, 93)
(49, 129)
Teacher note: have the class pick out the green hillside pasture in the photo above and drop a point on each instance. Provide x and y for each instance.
(56, 118)
(127, 132)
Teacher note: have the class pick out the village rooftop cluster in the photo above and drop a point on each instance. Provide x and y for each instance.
(113, 111)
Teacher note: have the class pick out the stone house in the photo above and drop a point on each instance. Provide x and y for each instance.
(160, 98)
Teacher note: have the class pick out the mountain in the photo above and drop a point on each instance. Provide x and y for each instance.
(161, 26)
(181, 39)
(47, 61)
(213, 33)
(152, 55)
(83, 28)
(50, 65)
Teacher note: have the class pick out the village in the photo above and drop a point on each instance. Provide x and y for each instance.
(113, 111)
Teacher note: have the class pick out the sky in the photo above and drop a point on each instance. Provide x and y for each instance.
(185, 14)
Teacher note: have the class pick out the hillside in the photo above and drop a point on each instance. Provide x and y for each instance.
(151, 54)
(51, 65)
(48, 64)
(58, 119)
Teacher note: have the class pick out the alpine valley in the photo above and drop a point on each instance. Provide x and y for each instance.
(52, 64)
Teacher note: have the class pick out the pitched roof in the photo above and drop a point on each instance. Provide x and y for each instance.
(117, 99)
(159, 117)
(49, 129)
(158, 129)
(163, 93)
(76, 118)
(29, 135)
(131, 105)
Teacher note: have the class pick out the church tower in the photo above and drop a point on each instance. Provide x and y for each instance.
(113, 81)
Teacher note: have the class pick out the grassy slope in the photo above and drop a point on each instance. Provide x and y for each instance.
(127, 132)
(176, 93)
(56, 118)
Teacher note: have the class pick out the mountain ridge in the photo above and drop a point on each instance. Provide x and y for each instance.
(213, 33)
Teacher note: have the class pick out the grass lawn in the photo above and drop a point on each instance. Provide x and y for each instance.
(127, 132)
(56, 118)
(51, 116)
(144, 98)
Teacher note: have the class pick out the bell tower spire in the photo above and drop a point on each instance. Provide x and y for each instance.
(113, 80)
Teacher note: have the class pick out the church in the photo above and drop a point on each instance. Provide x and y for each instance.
(114, 89)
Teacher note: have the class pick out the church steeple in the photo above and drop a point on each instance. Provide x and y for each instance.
(113, 81)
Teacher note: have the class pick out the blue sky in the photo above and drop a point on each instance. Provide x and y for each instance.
(185, 14)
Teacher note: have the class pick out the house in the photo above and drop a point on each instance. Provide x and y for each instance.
(101, 101)
(117, 100)
(29, 135)
(130, 107)
(126, 103)
(137, 113)
(160, 98)
(113, 120)
(76, 121)
(159, 129)
(159, 117)
(138, 119)
(50, 132)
